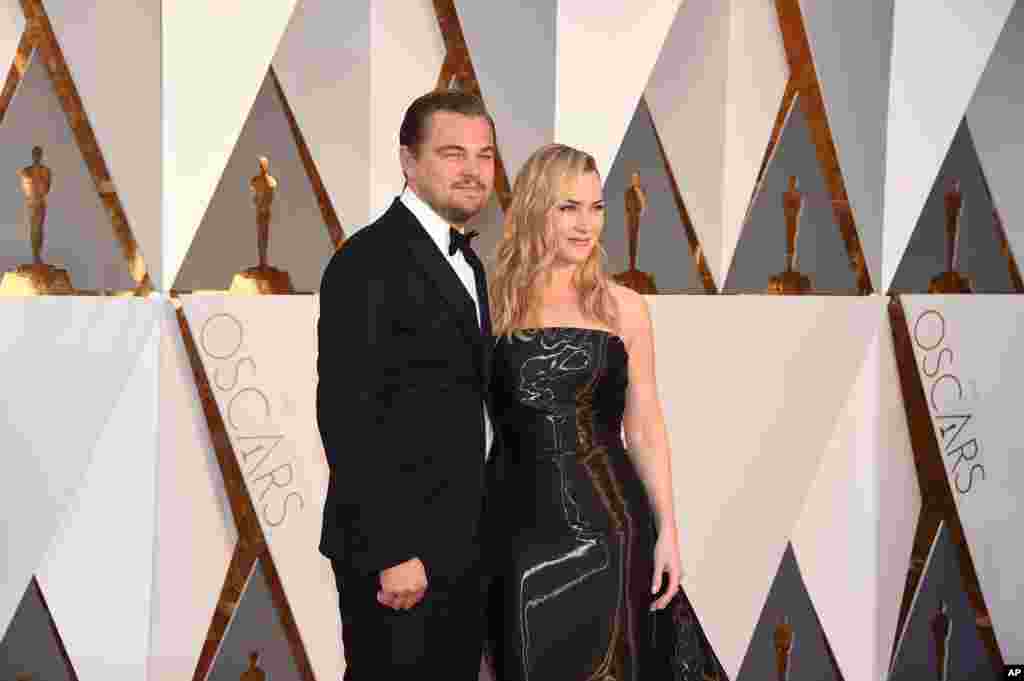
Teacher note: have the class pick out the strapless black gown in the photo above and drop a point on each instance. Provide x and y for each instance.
(574, 533)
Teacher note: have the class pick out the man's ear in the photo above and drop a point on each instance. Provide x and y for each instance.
(407, 159)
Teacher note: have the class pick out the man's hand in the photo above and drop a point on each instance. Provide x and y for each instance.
(402, 586)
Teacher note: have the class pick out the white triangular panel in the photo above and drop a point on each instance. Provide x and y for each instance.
(598, 87)
(12, 24)
(68, 360)
(788, 409)
(855, 86)
(208, 89)
(78, 234)
(325, 75)
(714, 95)
(259, 353)
(967, 351)
(408, 52)
(686, 95)
(520, 92)
(899, 499)
(934, 75)
(756, 83)
(844, 543)
(112, 515)
(993, 118)
(197, 524)
(95, 36)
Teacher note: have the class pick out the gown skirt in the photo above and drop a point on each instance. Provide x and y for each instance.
(573, 535)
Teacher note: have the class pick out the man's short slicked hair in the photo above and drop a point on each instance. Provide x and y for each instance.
(417, 116)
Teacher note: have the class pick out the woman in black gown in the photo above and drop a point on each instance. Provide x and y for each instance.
(584, 541)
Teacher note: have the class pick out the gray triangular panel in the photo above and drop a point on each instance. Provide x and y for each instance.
(77, 231)
(788, 600)
(916, 658)
(762, 246)
(30, 646)
(226, 243)
(664, 251)
(256, 626)
(995, 116)
(980, 255)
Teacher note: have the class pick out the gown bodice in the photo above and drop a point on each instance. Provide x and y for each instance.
(559, 390)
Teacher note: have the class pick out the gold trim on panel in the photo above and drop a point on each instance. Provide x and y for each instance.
(792, 90)
(1000, 227)
(937, 503)
(457, 70)
(240, 570)
(696, 251)
(804, 82)
(45, 40)
(252, 543)
(19, 66)
(323, 199)
(1007, 251)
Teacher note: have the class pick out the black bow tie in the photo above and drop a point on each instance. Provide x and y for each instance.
(460, 241)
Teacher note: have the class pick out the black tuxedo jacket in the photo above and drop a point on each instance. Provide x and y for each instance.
(403, 370)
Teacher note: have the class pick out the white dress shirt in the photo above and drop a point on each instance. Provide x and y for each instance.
(438, 229)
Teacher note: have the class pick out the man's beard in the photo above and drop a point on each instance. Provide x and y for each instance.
(458, 215)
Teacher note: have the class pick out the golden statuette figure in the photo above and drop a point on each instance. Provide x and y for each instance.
(942, 627)
(784, 638)
(35, 185)
(36, 278)
(636, 206)
(790, 280)
(951, 281)
(263, 278)
(253, 673)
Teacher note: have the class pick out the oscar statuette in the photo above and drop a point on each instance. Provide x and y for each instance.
(790, 280)
(784, 638)
(636, 206)
(942, 627)
(951, 281)
(38, 277)
(254, 672)
(263, 278)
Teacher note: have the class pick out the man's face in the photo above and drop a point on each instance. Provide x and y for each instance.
(453, 168)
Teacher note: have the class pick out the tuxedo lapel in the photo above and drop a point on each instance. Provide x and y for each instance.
(433, 263)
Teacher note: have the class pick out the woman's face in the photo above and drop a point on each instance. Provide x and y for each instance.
(577, 219)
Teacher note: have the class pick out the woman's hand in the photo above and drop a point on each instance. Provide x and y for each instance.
(666, 566)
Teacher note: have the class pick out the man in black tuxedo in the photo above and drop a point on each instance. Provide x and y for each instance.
(402, 405)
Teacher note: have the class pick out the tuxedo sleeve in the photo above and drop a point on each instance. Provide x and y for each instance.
(376, 494)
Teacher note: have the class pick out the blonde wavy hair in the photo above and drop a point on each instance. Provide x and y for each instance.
(527, 249)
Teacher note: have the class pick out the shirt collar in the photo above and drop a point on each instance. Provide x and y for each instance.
(436, 227)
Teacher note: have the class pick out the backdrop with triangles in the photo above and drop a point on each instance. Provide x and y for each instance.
(844, 460)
